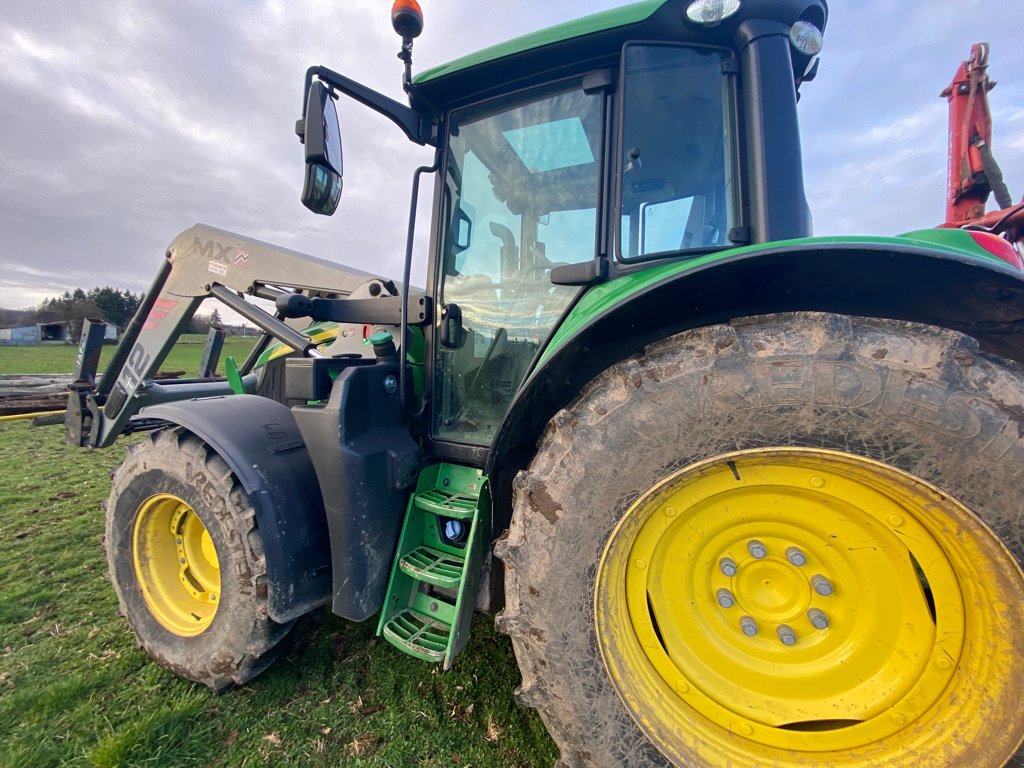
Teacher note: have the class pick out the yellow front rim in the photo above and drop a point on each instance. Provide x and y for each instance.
(176, 565)
(775, 602)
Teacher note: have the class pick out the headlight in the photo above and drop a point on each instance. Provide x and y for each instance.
(711, 12)
(806, 38)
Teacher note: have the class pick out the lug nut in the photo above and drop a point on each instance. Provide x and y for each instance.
(818, 619)
(787, 635)
(725, 598)
(756, 549)
(748, 625)
(821, 585)
(796, 557)
(728, 566)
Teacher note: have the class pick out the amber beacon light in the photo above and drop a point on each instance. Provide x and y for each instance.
(407, 18)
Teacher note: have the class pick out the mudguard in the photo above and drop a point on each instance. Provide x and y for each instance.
(259, 440)
(938, 283)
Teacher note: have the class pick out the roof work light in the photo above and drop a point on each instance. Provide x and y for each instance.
(806, 38)
(711, 12)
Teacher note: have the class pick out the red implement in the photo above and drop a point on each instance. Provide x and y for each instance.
(973, 172)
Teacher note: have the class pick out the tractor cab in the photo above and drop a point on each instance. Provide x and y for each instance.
(524, 214)
(626, 147)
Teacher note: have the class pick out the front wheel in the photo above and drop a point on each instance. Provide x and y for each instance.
(795, 540)
(187, 562)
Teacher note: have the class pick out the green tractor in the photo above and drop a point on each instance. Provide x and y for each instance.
(740, 496)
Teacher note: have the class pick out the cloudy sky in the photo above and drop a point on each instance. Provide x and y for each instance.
(124, 122)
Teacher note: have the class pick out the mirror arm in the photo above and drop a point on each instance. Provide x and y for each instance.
(418, 128)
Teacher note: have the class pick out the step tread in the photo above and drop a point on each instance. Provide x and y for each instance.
(448, 503)
(419, 635)
(434, 566)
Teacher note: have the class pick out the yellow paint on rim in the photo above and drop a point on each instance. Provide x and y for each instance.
(176, 565)
(797, 606)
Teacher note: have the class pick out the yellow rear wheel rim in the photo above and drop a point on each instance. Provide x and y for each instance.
(176, 565)
(781, 604)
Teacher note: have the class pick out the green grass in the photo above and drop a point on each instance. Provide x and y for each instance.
(60, 358)
(75, 691)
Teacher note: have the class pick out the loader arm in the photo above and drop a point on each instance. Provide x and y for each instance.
(204, 262)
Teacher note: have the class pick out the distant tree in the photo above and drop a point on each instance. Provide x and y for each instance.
(215, 318)
(116, 307)
(111, 305)
(14, 318)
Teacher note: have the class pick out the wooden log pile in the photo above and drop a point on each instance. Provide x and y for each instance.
(31, 393)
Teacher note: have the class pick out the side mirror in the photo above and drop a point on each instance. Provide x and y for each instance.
(322, 137)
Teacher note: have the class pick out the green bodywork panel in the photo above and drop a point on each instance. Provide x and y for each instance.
(599, 22)
(318, 332)
(604, 296)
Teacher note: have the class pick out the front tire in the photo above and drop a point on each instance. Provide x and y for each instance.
(187, 562)
(755, 458)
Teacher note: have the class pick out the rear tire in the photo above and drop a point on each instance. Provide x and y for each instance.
(187, 562)
(902, 414)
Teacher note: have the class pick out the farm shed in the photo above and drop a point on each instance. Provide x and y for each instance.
(24, 336)
(54, 332)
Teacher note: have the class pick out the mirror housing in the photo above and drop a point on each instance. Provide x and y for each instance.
(322, 138)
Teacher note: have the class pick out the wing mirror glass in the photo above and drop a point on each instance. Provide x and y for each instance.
(322, 137)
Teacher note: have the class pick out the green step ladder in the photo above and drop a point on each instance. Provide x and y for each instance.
(432, 590)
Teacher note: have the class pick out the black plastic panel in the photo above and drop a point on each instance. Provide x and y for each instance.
(366, 463)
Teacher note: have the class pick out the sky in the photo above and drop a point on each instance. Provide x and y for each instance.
(123, 123)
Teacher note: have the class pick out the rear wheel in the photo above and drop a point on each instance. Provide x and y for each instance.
(791, 541)
(187, 562)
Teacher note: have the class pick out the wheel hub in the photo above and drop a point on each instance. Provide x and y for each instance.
(770, 590)
(176, 565)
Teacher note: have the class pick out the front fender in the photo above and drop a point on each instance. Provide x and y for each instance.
(895, 278)
(260, 442)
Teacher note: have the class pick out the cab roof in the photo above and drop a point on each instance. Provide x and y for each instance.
(598, 22)
(594, 42)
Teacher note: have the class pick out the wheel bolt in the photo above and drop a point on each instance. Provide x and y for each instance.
(756, 549)
(725, 598)
(796, 557)
(748, 625)
(821, 585)
(818, 619)
(787, 635)
(728, 566)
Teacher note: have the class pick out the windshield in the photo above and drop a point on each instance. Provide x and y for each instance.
(676, 168)
(520, 198)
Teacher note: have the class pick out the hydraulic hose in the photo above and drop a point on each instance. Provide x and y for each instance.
(994, 175)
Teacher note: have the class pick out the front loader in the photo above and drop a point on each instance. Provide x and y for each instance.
(739, 495)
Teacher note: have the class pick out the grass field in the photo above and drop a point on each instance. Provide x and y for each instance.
(74, 690)
(60, 358)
